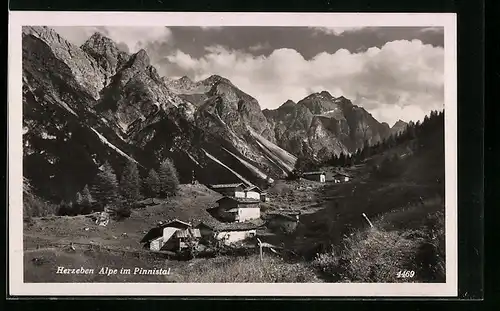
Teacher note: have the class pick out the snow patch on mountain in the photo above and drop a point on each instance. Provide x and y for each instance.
(106, 142)
(243, 179)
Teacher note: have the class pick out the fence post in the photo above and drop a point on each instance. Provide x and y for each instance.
(260, 249)
(368, 220)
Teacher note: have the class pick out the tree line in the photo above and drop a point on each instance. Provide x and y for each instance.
(415, 132)
(119, 194)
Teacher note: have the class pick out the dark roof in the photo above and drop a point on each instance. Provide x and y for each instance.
(191, 232)
(222, 186)
(171, 222)
(341, 174)
(157, 231)
(240, 200)
(253, 188)
(285, 212)
(233, 226)
(313, 173)
(152, 234)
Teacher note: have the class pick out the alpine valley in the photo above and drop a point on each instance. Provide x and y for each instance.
(83, 106)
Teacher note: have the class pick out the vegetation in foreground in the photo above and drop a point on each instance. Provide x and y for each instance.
(411, 240)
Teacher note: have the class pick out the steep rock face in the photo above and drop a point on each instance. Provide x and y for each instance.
(62, 136)
(106, 54)
(364, 127)
(72, 62)
(234, 117)
(291, 123)
(90, 104)
(135, 92)
(321, 125)
(398, 127)
(235, 108)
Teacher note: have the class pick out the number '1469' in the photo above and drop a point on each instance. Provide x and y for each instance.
(405, 274)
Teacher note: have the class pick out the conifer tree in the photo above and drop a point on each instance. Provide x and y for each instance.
(78, 198)
(86, 196)
(169, 180)
(105, 188)
(342, 159)
(130, 183)
(152, 184)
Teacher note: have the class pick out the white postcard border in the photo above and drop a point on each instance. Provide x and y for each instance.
(17, 19)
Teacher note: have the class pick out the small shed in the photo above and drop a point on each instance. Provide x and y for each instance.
(341, 177)
(228, 233)
(253, 192)
(285, 221)
(315, 176)
(159, 235)
(238, 209)
(234, 190)
(182, 239)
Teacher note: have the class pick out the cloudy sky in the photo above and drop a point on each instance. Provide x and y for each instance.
(393, 72)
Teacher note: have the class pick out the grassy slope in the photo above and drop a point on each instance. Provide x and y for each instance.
(331, 217)
(189, 205)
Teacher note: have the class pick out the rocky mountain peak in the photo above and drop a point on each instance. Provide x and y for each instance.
(288, 104)
(54, 51)
(400, 123)
(140, 59)
(185, 79)
(399, 126)
(98, 39)
(106, 53)
(319, 103)
(214, 79)
(43, 32)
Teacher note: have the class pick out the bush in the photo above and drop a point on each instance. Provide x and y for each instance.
(34, 206)
(377, 256)
(246, 269)
(120, 210)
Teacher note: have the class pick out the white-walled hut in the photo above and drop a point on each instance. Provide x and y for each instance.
(232, 190)
(164, 233)
(228, 233)
(341, 177)
(253, 192)
(319, 176)
(235, 209)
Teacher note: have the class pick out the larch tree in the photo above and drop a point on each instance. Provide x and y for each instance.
(152, 184)
(169, 179)
(130, 183)
(105, 188)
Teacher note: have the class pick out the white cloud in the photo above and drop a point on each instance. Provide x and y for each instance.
(134, 38)
(433, 29)
(401, 80)
(259, 47)
(337, 31)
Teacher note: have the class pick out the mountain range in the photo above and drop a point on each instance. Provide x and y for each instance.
(90, 104)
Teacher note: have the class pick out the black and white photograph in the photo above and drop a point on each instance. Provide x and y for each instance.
(254, 153)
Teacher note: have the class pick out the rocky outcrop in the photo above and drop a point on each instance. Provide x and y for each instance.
(135, 92)
(106, 54)
(67, 61)
(321, 125)
(398, 127)
(90, 104)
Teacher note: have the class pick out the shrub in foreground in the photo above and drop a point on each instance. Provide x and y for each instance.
(380, 256)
